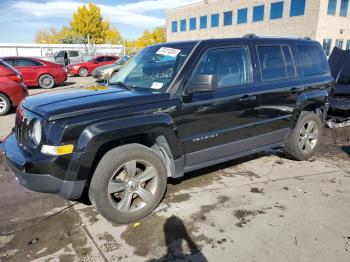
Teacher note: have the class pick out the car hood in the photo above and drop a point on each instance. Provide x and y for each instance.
(56, 105)
(105, 67)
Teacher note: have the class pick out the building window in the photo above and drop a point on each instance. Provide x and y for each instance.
(297, 7)
(276, 10)
(242, 15)
(332, 6)
(339, 43)
(214, 20)
(174, 26)
(327, 43)
(193, 24)
(258, 13)
(183, 25)
(344, 5)
(203, 22)
(228, 18)
(348, 45)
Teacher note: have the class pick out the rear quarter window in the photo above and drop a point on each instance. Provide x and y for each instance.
(312, 60)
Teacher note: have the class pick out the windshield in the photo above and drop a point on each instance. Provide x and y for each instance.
(154, 67)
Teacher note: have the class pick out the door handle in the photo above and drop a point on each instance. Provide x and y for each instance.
(247, 98)
(297, 90)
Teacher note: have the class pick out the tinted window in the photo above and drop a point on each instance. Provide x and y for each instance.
(297, 7)
(26, 62)
(339, 43)
(60, 54)
(214, 20)
(228, 18)
(183, 25)
(174, 26)
(332, 6)
(193, 23)
(276, 10)
(258, 13)
(288, 60)
(203, 22)
(100, 59)
(229, 65)
(9, 61)
(242, 16)
(109, 58)
(327, 43)
(344, 5)
(311, 59)
(73, 53)
(348, 45)
(271, 62)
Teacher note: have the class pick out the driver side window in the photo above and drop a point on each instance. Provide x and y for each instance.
(230, 65)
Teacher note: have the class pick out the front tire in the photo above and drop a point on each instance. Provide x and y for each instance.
(46, 81)
(128, 184)
(83, 72)
(305, 138)
(5, 105)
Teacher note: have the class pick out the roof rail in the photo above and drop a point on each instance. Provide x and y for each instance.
(308, 38)
(250, 36)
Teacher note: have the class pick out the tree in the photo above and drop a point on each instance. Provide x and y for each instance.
(88, 22)
(147, 38)
(112, 35)
(47, 36)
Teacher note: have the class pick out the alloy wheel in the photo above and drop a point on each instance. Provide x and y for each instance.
(133, 185)
(308, 136)
(3, 105)
(46, 81)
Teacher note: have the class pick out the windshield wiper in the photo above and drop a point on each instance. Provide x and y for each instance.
(125, 85)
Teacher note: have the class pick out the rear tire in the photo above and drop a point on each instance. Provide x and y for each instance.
(128, 184)
(305, 138)
(5, 105)
(83, 72)
(46, 81)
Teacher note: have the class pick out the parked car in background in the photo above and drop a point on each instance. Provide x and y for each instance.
(12, 88)
(103, 73)
(73, 56)
(37, 72)
(86, 68)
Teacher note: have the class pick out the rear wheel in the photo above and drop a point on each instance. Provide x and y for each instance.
(305, 138)
(128, 184)
(46, 81)
(83, 72)
(5, 105)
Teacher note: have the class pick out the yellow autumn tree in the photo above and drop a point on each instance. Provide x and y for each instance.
(112, 34)
(147, 38)
(88, 23)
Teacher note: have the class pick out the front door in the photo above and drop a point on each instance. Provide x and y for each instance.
(214, 124)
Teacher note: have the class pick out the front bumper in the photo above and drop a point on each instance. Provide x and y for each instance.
(100, 75)
(44, 183)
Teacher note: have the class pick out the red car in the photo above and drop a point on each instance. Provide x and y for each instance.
(12, 88)
(86, 68)
(37, 72)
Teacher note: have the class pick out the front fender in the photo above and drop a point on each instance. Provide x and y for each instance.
(98, 134)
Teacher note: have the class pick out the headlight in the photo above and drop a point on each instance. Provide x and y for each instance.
(36, 132)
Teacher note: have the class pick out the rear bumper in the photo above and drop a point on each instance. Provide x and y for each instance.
(44, 183)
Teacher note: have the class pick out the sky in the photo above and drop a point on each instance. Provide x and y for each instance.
(21, 19)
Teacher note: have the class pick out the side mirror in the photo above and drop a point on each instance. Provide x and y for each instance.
(202, 83)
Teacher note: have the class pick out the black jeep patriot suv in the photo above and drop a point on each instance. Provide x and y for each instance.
(175, 107)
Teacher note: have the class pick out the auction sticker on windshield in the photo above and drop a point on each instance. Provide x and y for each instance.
(168, 51)
(157, 85)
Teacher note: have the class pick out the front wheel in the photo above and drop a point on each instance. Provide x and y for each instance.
(128, 184)
(46, 81)
(83, 72)
(5, 105)
(305, 137)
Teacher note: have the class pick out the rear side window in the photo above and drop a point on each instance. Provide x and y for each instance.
(73, 53)
(109, 58)
(231, 66)
(276, 62)
(9, 61)
(311, 59)
(26, 62)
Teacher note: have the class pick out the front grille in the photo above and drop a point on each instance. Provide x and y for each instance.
(21, 126)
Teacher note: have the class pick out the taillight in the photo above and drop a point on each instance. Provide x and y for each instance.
(16, 78)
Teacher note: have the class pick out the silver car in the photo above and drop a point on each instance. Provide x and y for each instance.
(103, 73)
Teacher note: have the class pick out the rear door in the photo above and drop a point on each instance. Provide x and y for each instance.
(29, 69)
(220, 124)
(279, 87)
